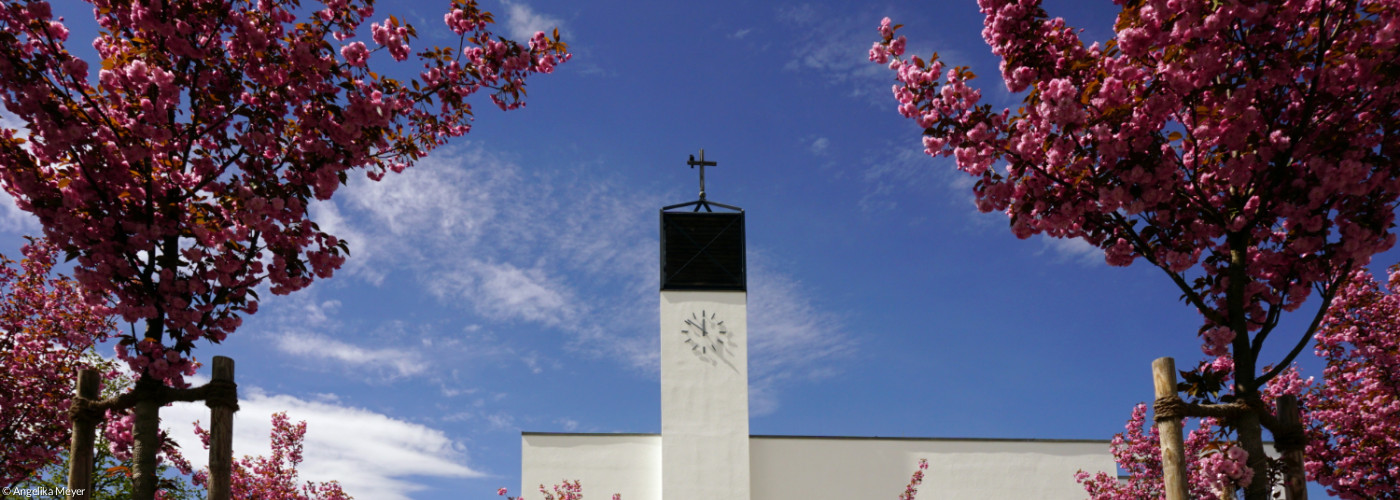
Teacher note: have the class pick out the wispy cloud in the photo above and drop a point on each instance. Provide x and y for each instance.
(903, 169)
(568, 424)
(501, 421)
(1074, 250)
(833, 45)
(481, 232)
(310, 329)
(553, 251)
(523, 21)
(790, 338)
(740, 34)
(12, 219)
(819, 145)
(394, 362)
(379, 462)
(502, 291)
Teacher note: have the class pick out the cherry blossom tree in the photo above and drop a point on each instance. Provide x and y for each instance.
(111, 478)
(1353, 416)
(178, 176)
(1246, 148)
(47, 333)
(111, 471)
(275, 476)
(1215, 463)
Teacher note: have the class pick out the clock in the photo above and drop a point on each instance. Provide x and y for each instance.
(705, 333)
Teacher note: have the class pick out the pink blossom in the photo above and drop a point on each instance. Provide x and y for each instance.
(274, 476)
(355, 54)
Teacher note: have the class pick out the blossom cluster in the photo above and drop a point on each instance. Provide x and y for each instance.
(1249, 149)
(117, 428)
(275, 476)
(1354, 447)
(179, 177)
(46, 328)
(1214, 467)
(569, 490)
(915, 479)
(1217, 135)
(1351, 416)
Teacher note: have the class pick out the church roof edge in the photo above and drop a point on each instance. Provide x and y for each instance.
(855, 438)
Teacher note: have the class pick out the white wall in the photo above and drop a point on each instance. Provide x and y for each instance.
(819, 468)
(704, 398)
(847, 468)
(629, 464)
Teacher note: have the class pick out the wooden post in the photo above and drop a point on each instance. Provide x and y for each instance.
(220, 435)
(1169, 431)
(1294, 482)
(80, 448)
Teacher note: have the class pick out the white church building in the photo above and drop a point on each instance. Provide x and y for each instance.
(705, 451)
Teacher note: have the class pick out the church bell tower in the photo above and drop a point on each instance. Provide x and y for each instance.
(704, 350)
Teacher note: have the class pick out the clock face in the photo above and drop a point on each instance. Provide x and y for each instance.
(706, 334)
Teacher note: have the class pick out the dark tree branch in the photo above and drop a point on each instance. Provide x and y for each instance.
(1327, 296)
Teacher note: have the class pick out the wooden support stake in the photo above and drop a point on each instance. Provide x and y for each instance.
(220, 436)
(80, 448)
(1173, 456)
(1295, 483)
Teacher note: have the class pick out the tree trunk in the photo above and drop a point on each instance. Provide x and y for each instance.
(1251, 439)
(1249, 430)
(1294, 478)
(146, 437)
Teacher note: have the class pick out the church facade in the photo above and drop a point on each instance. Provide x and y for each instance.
(705, 451)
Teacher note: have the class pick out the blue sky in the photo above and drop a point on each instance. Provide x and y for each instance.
(509, 282)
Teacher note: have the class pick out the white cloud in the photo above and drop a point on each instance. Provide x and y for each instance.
(790, 338)
(12, 219)
(557, 251)
(372, 455)
(739, 35)
(396, 362)
(523, 21)
(819, 145)
(479, 231)
(569, 425)
(503, 291)
(361, 247)
(834, 46)
(432, 200)
(798, 14)
(909, 169)
(1073, 250)
(502, 421)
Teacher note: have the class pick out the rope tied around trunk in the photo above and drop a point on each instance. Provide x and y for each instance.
(221, 393)
(1168, 408)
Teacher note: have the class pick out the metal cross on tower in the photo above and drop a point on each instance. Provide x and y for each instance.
(702, 164)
